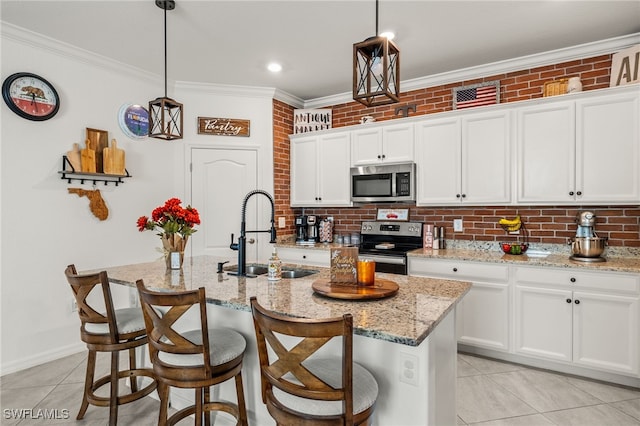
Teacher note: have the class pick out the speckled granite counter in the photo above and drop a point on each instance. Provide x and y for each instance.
(406, 318)
(613, 264)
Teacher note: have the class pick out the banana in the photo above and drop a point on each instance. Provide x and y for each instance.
(512, 222)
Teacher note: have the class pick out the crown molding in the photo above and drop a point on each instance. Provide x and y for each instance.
(57, 47)
(225, 89)
(581, 51)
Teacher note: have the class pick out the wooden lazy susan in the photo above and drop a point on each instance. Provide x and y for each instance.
(380, 289)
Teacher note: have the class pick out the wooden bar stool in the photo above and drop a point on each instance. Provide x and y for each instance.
(299, 388)
(197, 359)
(105, 329)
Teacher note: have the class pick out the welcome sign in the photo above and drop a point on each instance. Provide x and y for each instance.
(311, 120)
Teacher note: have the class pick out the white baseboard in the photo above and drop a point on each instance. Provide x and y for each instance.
(41, 358)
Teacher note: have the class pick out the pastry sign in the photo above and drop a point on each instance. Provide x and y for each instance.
(223, 126)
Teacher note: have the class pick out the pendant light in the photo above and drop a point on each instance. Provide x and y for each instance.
(165, 114)
(376, 70)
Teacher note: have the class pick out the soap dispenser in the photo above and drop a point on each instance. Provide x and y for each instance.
(274, 272)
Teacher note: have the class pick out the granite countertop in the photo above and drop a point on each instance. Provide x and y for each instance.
(406, 318)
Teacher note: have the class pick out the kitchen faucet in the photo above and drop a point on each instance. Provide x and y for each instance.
(241, 244)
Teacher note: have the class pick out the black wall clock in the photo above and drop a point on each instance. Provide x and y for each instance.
(30, 96)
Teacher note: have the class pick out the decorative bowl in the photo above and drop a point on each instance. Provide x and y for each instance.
(514, 247)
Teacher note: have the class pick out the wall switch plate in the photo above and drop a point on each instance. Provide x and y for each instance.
(282, 222)
(457, 225)
(409, 371)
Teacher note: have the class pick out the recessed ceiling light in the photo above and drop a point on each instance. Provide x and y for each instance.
(388, 34)
(274, 67)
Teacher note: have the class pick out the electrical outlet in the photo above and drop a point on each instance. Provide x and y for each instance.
(74, 305)
(281, 222)
(457, 225)
(409, 371)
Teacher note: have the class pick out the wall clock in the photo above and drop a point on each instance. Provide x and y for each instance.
(30, 96)
(134, 121)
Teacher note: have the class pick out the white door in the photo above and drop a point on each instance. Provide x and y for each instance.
(220, 179)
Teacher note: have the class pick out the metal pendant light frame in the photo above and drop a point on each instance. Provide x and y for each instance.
(165, 114)
(376, 70)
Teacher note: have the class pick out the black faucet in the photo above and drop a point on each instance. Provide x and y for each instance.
(241, 244)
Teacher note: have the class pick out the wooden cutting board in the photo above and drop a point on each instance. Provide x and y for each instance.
(88, 158)
(380, 289)
(74, 158)
(113, 159)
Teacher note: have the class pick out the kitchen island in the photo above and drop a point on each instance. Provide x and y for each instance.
(407, 341)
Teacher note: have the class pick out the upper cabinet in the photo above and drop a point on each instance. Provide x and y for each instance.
(464, 159)
(386, 144)
(583, 151)
(320, 170)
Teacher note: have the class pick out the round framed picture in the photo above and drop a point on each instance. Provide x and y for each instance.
(30, 96)
(134, 121)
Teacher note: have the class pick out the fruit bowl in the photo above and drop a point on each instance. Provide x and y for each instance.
(514, 247)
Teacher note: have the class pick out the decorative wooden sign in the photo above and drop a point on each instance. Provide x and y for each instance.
(343, 265)
(625, 67)
(311, 120)
(223, 126)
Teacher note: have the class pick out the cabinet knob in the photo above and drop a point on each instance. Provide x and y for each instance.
(577, 302)
(304, 256)
(384, 156)
(571, 193)
(568, 300)
(464, 195)
(455, 269)
(573, 280)
(379, 157)
(579, 193)
(457, 195)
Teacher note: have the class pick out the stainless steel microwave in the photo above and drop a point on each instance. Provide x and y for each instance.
(386, 183)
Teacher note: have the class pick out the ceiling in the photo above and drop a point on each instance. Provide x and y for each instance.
(230, 42)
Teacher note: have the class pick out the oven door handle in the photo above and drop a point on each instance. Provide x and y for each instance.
(384, 259)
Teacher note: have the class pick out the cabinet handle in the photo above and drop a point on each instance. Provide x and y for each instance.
(571, 193)
(577, 302)
(455, 269)
(579, 193)
(573, 280)
(568, 300)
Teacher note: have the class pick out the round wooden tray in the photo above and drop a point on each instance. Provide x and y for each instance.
(380, 289)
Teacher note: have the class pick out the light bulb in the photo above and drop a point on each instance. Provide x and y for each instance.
(377, 66)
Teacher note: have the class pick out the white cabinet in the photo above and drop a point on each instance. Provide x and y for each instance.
(580, 151)
(482, 317)
(464, 159)
(586, 318)
(320, 170)
(304, 256)
(386, 144)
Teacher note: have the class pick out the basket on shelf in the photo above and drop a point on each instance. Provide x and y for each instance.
(556, 87)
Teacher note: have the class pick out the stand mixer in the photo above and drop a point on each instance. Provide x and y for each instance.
(586, 246)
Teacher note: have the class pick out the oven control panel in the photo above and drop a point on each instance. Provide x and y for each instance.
(392, 228)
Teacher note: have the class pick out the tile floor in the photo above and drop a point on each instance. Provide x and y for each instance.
(490, 393)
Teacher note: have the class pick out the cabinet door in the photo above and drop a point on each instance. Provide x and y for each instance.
(305, 256)
(304, 172)
(543, 322)
(397, 143)
(486, 159)
(438, 161)
(483, 316)
(546, 153)
(608, 149)
(366, 146)
(334, 188)
(605, 331)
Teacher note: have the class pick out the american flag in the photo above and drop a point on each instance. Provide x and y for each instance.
(476, 96)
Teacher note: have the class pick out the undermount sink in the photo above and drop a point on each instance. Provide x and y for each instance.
(250, 270)
(297, 273)
(261, 269)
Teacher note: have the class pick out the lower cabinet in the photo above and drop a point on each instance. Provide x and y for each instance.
(570, 316)
(586, 318)
(304, 256)
(482, 317)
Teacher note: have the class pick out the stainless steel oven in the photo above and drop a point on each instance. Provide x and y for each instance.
(387, 243)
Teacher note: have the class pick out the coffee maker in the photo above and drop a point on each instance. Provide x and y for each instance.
(301, 229)
(586, 246)
(312, 228)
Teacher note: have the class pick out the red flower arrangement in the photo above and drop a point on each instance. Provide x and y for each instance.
(175, 223)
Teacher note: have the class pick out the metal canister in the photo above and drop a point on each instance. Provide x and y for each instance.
(326, 231)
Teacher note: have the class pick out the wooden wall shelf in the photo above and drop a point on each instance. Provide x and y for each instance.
(69, 173)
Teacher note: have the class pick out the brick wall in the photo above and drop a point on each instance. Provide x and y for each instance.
(546, 224)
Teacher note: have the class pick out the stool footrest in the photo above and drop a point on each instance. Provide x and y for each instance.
(102, 401)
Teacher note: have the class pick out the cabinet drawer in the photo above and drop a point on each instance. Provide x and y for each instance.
(458, 270)
(304, 256)
(602, 281)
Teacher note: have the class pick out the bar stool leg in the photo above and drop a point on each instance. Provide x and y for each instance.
(132, 366)
(88, 383)
(198, 413)
(207, 399)
(242, 409)
(113, 403)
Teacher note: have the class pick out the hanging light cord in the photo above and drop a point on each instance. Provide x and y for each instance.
(165, 51)
(376, 34)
